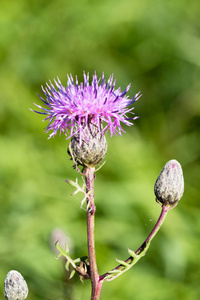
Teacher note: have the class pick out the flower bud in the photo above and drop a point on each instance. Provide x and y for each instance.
(169, 186)
(15, 287)
(58, 235)
(90, 147)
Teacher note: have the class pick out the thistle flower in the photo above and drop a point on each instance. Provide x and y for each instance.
(68, 109)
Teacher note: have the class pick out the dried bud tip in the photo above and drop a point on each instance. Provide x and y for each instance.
(15, 287)
(169, 186)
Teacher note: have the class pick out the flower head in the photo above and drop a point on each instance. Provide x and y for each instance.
(99, 102)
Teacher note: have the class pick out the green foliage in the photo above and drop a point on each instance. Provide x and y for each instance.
(152, 44)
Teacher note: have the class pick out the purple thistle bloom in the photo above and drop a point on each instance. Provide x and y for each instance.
(79, 103)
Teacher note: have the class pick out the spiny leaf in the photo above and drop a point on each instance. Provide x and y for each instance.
(72, 274)
(67, 247)
(67, 265)
(59, 248)
(123, 263)
(114, 271)
(108, 277)
(77, 260)
(83, 201)
(65, 254)
(132, 253)
(78, 189)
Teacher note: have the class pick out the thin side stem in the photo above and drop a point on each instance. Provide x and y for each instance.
(159, 223)
(94, 276)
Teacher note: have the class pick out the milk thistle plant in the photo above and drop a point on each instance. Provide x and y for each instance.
(84, 112)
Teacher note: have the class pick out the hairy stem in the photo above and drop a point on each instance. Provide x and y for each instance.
(94, 276)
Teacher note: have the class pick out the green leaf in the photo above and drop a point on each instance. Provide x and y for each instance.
(72, 274)
(114, 271)
(67, 265)
(108, 277)
(132, 253)
(123, 263)
(67, 247)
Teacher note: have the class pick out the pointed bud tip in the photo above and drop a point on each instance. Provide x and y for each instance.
(169, 186)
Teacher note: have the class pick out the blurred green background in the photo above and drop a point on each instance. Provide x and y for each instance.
(155, 45)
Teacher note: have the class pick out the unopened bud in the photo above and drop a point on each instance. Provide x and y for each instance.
(15, 287)
(169, 186)
(89, 148)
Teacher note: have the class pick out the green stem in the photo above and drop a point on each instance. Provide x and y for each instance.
(141, 250)
(94, 276)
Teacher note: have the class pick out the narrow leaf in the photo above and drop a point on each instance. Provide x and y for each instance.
(109, 277)
(123, 263)
(67, 265)
(132, 253)
(72, 274)
(114, 271)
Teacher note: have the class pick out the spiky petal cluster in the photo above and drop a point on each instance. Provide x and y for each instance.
(77, 103)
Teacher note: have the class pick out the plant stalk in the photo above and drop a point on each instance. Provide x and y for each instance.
(156, 228)
(94, 276)
(159, 223)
